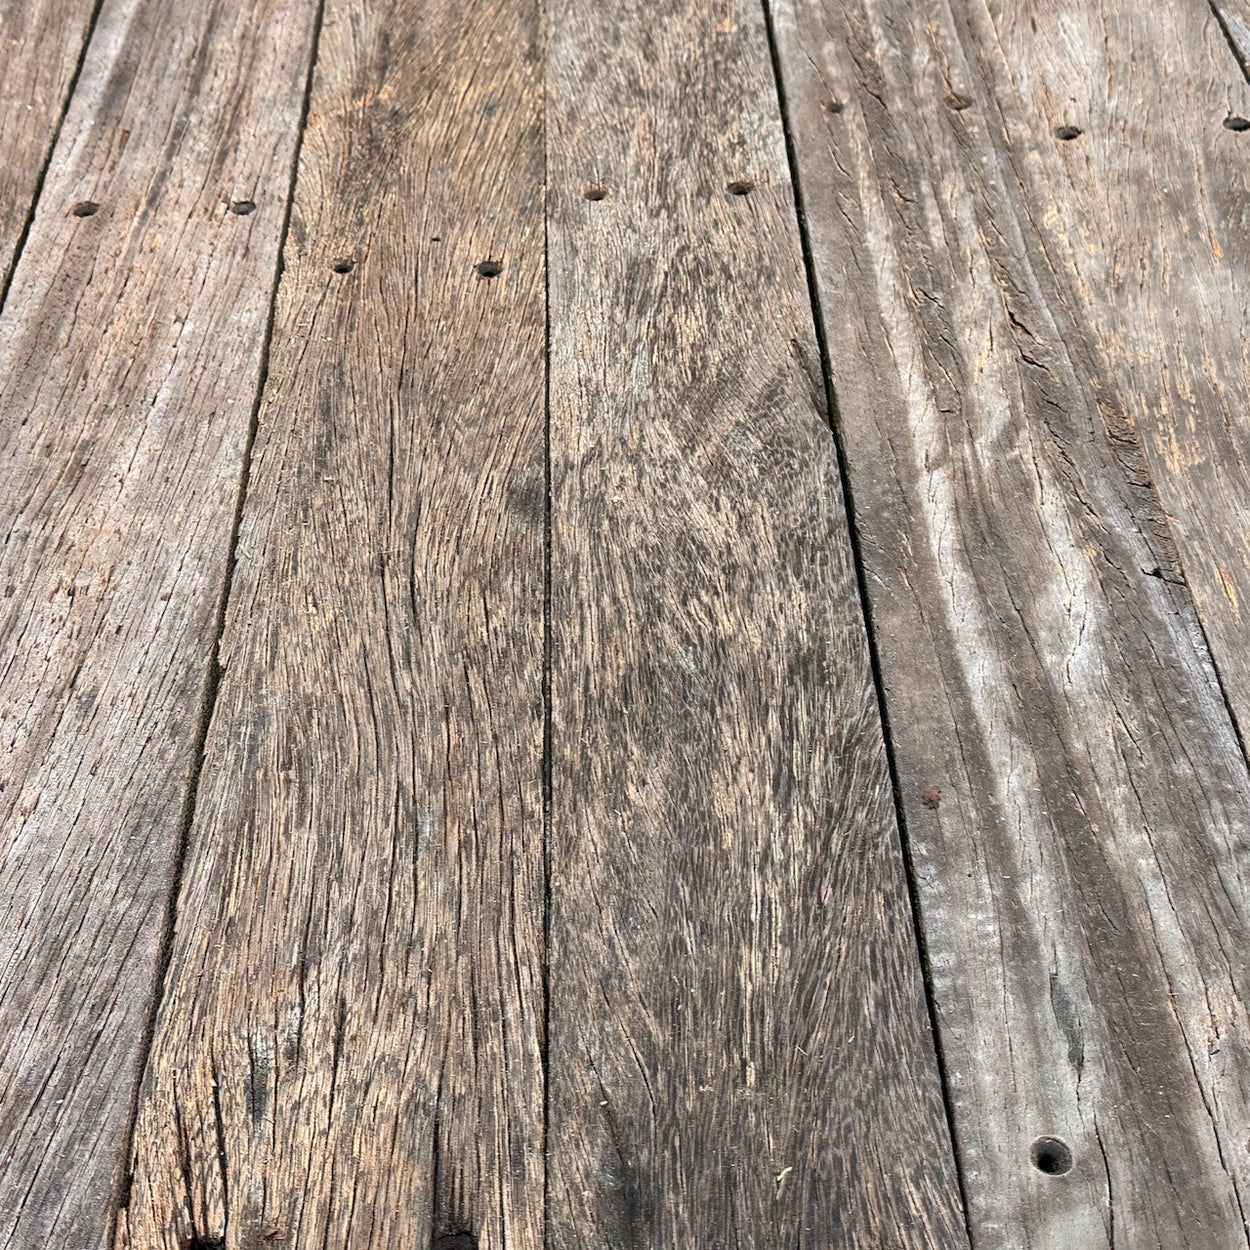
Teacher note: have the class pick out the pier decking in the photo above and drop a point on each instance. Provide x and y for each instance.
(624, 626)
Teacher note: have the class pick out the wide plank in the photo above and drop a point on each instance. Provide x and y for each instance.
(739, 1051)
(1145, 212)
(1075, 794)
(349, 1050)
(41, 45)
(131, 347)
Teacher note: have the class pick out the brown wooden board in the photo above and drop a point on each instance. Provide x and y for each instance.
(739, 1048)
(130, 352)
(1075, 795)
(348, 1053)
(41, 48)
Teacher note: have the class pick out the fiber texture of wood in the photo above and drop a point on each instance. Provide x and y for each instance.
(1076, 797)
(739, 1049)
(41, 43)
(1146, 212)
(348, 1053)
(130, 351)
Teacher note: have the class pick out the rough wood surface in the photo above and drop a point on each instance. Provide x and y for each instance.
(1145, 214)
(739, 1048)
(41, 45)
(348, 1053)
(130, 350)
(1234, 18)
(1076, 798)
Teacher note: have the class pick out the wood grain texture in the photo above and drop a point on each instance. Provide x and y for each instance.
(348, 1053)
(1146, 215)
(41, 45)
(130, 351)
(1076, 797)
(1234, 18)
(739, 1049)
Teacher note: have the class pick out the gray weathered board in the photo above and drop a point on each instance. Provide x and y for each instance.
(41, 47)
(1077, 801)
(739, 1051)
(130, 350)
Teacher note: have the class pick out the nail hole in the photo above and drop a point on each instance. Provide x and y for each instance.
(490, 268)
(203, 1243)
(1068, 132)
(596, 193)
(834, 106)
(85, 208)
(1233, 122)
(741, 186)
(1052, 1155)
(455, 1241)
(957, 100)
(241, 208)
(343, 266)
(436, 238)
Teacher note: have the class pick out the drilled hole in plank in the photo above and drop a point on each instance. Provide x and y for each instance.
(596, 193)
(85, 208)
(1052, 1155)
(241, 208)
(1068, 133)
(455, 1241)
(1233, 122)
(490, 268)
(343, 266)
(741, 186)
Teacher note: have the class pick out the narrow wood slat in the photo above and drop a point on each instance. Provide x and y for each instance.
(348, 1052)
(41, 45)
(130, 351)
(1075, 794)
(739, 1049)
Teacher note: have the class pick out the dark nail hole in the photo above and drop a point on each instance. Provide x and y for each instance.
(1068, 132)
(1236, 123)
(203, 1243)
(596, 193)
(490, 268)
(436, 238)
(455, 1241)
(85, 208)
(343, 266)
(741, 186)
(834, 106)
(241, 208)
(957, 100)
(1052, 1155)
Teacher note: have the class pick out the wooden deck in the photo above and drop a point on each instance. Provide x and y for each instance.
(624, 626)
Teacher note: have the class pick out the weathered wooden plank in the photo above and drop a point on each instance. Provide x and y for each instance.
(41, 43)
(1234, 18)
(739, 1048)
(349, 1050)
(1146, 212)
(1076, 797)
(130, 354)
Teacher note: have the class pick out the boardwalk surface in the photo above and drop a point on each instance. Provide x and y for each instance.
(624, 626)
